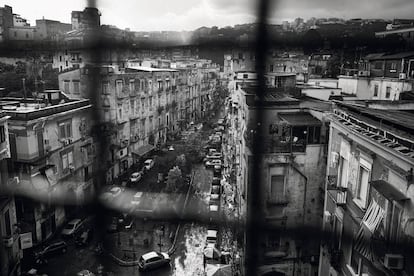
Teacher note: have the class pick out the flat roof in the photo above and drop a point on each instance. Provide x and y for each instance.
(396, 117)
(300, 119)
(151, 69)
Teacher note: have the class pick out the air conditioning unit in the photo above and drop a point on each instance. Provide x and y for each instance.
(394, 261)
(8, 241)
(402, 76)
(363, 73)
(66, 142)
(16, 179)
(46, 141)
(71, 167)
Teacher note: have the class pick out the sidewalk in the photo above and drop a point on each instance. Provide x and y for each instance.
(126, 246)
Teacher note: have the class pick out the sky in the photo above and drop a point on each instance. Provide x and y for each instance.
(170, 15)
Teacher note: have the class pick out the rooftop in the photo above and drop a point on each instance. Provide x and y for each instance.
(151, 69)
(385, 56)
(30, 109)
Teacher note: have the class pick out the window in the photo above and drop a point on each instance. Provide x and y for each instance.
(2, 134)
(7, 223)
(362, 184)
(277, 187)
(388, 92)
(343, 172)
(271, 67)
(65, 129)
(376, 90)
(245, 76)
(393, 67)
(119, 85)
(131, 86)
(76, 87)
(105, 88)
(66, 86)
(60, 58)
(132, 103)
(120, 113)
(314, 134)
(66, 63)
(67, 160)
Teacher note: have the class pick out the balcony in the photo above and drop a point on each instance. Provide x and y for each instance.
(277, 200)
(339, 196)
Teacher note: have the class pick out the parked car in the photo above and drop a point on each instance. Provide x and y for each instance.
(85, 272)
(211, 237)
(136, 199)
(135, 177)
(148, 164)
(216, 155)
(215, 199)
(112, 225)
(214, 212)
(50, 250)
(112, 193)
(215, 189)
(217, 171)
(72, 228)
(216, 181)
(153, 260)
(84, 237)
(212, 163)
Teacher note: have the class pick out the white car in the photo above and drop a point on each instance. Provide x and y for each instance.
(171, 148)
(153, 260)
(135, 177)
(136, 199)
(85, 272)
(211, 237)
(214, 162)
(114, 192)
(148, 164)
(72, 228)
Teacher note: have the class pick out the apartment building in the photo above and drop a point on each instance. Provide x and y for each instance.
(6, 21)
(240, 60)
(9, 231)
(292, 168)
(368, 212)
(380, 77)
(52, 159)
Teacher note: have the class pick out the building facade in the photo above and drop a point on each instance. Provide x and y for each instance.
(52, 158)
(291, 169)
(380, 77)
(144, 105)
(10, 250)
(368, 213)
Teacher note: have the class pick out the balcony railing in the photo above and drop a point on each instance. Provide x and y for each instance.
(339, 195)
(278, 200)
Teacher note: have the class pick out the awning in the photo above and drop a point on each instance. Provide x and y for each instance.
(389, 191)
(372, 218)
(142, 150)
(300, 119)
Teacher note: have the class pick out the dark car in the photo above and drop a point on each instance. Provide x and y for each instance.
(84, 237)
(112, 225)
(50, 250)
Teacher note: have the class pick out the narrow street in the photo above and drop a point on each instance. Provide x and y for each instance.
(187, 255)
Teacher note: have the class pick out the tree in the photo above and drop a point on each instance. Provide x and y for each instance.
(175, 180)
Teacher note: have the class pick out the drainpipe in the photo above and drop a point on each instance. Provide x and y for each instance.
(305, 190)
(304, 204)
